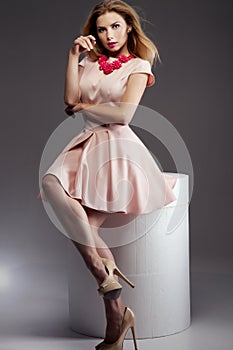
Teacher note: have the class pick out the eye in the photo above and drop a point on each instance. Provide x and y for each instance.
(100, 30)
(116, 25)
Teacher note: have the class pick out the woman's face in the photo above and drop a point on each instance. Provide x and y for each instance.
(112, 31)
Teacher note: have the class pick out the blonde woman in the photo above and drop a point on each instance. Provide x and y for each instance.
(107, 86)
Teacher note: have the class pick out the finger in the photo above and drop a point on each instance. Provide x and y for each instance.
(79, 37)
(92, 38)
(88, 40)
(77, 108)
(88, 43)
(80, 41)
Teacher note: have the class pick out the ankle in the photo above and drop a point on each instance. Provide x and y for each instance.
(114, 308)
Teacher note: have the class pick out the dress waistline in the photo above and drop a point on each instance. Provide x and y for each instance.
(104, 126)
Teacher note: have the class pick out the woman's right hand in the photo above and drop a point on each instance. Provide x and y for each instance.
(83, 44)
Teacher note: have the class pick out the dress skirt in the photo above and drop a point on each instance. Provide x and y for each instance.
(108, 168)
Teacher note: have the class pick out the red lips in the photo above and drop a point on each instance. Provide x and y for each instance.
(112, 44)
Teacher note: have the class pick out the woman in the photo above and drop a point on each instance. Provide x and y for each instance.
(107, 86)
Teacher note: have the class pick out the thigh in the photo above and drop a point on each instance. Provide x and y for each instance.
(95, 217)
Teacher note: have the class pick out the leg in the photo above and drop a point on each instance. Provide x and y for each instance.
(114, 309)
(96, 219)
(84, 228)
(74, 219)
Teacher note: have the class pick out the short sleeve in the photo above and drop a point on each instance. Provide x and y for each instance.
(82, 63)
(143, 66)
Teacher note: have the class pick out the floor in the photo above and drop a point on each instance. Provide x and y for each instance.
(34, 313)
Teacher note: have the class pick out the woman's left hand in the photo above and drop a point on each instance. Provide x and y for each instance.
(70, 110)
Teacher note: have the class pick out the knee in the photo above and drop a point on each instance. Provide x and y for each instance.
(48, 182)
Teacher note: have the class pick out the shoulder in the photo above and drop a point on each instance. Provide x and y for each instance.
(86, 60)
(139, 65)
(141, 62)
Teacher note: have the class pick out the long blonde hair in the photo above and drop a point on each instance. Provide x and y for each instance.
(138, 43)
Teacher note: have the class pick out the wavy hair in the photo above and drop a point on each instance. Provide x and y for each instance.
(138, 43)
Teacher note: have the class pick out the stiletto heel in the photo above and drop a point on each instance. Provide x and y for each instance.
(120, 274)
(134, 337)
(128, 322)
(110, 288)
(112, 268)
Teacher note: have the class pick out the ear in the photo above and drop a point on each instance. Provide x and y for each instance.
(129, 29)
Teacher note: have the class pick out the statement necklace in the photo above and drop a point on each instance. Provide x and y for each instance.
(108, 68)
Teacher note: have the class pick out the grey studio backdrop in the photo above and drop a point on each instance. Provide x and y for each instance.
(193, 91)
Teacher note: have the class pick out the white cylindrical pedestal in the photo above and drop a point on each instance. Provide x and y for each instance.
(153, 252)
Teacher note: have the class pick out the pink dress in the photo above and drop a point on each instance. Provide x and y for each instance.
(107, 166)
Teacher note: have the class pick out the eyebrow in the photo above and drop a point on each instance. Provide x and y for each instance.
(110, 25)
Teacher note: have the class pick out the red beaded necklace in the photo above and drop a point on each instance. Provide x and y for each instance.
(108, 68)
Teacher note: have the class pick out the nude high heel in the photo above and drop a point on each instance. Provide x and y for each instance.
(128, 322)
(110, 288)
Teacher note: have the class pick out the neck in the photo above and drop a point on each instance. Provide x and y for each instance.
(118, 53)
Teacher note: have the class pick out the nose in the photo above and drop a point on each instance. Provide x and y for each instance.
(109, 35)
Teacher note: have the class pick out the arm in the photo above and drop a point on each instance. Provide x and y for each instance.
(73, 74)
(72, 92)
(124, 112)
